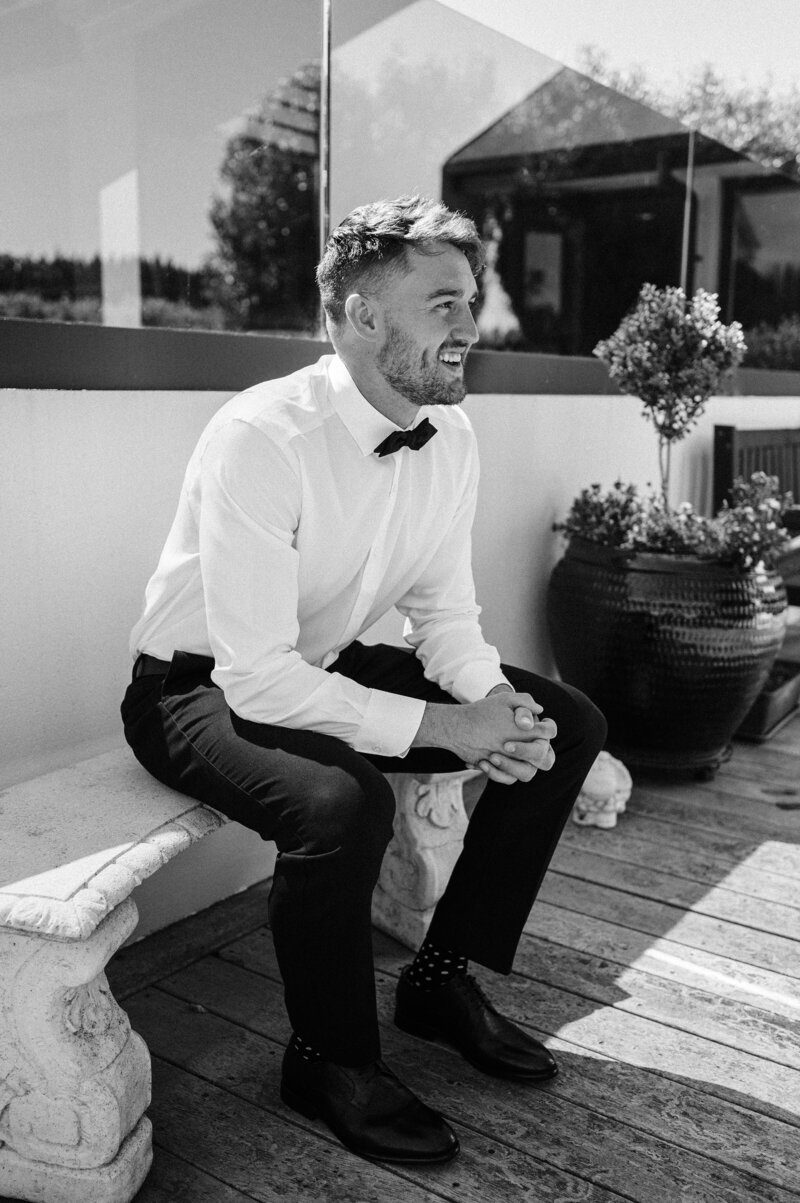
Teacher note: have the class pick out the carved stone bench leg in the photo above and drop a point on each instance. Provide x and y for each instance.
(74, 1078)
(429, 826)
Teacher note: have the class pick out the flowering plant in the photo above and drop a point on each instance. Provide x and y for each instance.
(672, 354)
(743, 533)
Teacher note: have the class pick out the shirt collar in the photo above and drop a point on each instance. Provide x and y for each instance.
(364, 422)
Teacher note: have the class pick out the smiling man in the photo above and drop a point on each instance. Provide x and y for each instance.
(313, 505)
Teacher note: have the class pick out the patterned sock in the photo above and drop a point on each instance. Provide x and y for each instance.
(305, 1050)
(434, 966)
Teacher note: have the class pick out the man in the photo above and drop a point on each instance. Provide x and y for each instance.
(313, 505)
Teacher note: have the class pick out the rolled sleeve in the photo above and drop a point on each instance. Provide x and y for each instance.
(475, 681)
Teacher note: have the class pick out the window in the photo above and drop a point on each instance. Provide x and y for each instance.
(763, 285)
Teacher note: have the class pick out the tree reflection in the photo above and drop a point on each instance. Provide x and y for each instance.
(265, 222)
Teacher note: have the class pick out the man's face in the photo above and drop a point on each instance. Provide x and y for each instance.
(428, 326)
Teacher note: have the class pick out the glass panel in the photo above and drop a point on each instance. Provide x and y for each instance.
(160, 167)
(578, 190)
(764, 286)
(159, 162)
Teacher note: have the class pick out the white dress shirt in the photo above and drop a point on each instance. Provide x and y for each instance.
(292, 537)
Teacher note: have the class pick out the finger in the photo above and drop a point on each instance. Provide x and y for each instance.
(496, 774)
(524, 719)
(541, 728)
(523, 700)
(518, 769)
(537, 752)
(500, 777)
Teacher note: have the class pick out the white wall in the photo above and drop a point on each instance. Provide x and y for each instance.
(88, 487)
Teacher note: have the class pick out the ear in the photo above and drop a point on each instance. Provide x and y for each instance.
(362, 315)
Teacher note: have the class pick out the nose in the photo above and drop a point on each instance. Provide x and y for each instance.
(464, 329)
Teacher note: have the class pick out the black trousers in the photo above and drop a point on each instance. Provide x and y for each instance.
(329, 810)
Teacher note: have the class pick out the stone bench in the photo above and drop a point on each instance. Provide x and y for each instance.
(74, 1077)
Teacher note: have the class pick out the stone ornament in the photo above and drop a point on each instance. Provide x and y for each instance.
(604, 793)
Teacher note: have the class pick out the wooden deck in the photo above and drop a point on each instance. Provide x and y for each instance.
(661, 963)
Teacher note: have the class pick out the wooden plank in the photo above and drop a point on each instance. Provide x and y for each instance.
(753, 809)
(622, 843)
(671, 883)
(765, 759)
(236, 993)
(738, 1025)
(174, 1178)
(759, 805)
(247, 1065)
(663, 958)
(138, 965)
(772, 952)
(602, 1145)
(725, 848)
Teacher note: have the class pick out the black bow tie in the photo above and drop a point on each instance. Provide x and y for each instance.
(414, 438)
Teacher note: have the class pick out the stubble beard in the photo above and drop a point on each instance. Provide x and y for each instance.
(420, 383)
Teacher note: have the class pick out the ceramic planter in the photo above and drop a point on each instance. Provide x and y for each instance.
(674, 650)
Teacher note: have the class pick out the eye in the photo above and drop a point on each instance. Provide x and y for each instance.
(445, 305)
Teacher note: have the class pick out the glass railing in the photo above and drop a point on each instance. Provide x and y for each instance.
(167, 165)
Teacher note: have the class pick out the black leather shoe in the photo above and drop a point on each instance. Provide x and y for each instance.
(461, 1014)
(369, 1109)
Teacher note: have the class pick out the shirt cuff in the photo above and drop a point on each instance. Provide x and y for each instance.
(475, 680)
(390, 723)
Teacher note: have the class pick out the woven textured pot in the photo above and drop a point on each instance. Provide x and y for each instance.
(674, 650)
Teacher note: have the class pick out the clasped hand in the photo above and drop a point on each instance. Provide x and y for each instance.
(518, 753)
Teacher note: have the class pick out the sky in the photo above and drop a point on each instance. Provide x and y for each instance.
(744, 39)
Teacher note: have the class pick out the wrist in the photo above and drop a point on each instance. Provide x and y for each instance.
(434, 729)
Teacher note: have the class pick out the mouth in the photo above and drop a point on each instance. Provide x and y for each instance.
(453, 359)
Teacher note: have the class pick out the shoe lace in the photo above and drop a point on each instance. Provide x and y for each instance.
(475, 993)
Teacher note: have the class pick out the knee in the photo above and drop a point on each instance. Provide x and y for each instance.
(350, 817)
(580, 721)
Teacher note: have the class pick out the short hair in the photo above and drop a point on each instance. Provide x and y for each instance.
(372, 240)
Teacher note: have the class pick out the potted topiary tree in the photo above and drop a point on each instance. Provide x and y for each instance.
(668, 620)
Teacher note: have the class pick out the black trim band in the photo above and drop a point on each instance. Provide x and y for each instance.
(66, 355)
